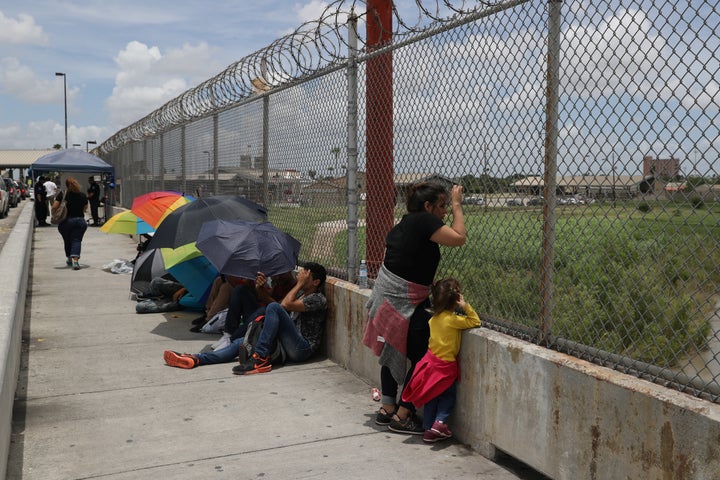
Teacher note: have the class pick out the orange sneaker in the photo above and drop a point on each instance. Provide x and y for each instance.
(180, 360)
(254, 364)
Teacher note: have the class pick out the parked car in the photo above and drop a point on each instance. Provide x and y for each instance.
(514, 202)
(473, 200)
(24, 192)
(13, 190)
(536, 201)
(4, 200)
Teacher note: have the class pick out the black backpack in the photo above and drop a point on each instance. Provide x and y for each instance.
(252, 335)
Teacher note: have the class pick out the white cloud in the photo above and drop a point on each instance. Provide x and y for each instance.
(148, 79)
(19, 81)
(22, 30)
(310, 11)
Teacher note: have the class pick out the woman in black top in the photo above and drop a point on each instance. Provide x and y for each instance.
(412, 256)
(74, 226)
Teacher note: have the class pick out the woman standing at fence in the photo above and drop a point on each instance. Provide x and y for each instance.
(74, 226)
(397, 323)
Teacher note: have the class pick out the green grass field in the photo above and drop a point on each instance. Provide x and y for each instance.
(640, 284)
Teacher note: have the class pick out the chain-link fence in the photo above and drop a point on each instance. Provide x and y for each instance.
(584, 134)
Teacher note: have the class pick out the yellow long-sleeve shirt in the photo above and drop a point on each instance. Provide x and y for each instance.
(446, 329)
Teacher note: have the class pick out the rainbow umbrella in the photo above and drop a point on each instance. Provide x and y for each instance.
(182, 226)
(126, 223)
(153, 207)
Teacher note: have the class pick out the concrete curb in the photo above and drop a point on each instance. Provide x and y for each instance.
(15, 261)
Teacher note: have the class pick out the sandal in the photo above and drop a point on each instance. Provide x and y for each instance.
(383, 417)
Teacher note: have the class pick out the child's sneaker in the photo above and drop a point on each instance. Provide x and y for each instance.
(180, 360)
(441, 429)
(431, 437)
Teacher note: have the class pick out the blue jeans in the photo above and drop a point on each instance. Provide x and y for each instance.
(439, 408)
(223, 355)
(242, 309)
(278, 325)
(73, 230)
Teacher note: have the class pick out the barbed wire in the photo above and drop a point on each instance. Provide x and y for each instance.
(313, 47)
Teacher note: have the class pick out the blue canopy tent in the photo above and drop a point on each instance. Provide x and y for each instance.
(76, 161)
(71, 161)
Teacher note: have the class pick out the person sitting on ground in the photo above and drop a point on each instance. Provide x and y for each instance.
(164, 296)
(217, 302)
(247, 303)
(248, 298)
(299, 335)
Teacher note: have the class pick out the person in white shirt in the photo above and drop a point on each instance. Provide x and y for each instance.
(50, 191)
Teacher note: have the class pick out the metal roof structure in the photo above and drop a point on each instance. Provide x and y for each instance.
(20, 158)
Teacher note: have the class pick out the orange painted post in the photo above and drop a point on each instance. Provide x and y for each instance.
(380, 198)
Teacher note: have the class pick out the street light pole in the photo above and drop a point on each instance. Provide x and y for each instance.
(88, 143)
(60, 74)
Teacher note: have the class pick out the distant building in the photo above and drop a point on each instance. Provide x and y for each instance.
(596, 186)
(334, 191)
(708, 193)
(674, 187)
(19, 161)
(659, 167)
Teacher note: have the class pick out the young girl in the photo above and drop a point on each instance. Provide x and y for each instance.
(433, 381)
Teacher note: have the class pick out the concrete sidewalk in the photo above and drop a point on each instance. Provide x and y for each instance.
(96, 400)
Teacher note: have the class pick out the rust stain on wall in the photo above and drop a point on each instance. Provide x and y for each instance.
(667, 449)
(595, 436)
(515, 353)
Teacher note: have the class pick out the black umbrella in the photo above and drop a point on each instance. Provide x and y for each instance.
(148, 265)
(243, 249)
(183, 225)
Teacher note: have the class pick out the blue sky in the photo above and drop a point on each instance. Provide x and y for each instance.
(632, 83)
(122, 59)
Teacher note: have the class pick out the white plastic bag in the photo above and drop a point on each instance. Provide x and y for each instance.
(216, 323)
(119, 265)
(223, 342)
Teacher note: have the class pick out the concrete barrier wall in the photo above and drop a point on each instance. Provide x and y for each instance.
(14, 264)
(565, 417)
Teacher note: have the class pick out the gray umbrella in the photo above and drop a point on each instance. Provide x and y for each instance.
(243, 249)
(148, 265)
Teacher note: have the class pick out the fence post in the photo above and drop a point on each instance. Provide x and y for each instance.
(216, 185)
(162, 161)
(550, 183)
(182, 159)
(352, 128)
(380, 186)
(266, 137)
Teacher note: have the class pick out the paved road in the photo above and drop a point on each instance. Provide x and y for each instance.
(7, 223)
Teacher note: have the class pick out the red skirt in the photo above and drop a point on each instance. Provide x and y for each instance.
(431, 377)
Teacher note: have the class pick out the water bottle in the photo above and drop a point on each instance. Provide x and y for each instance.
(362, 275)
